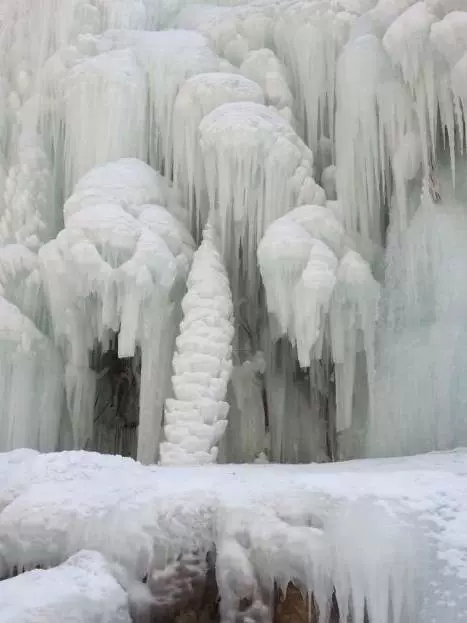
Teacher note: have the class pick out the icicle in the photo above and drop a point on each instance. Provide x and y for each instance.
(360, 156)
(352, 326)
(318, 279)
(197, 97)
(308, 40)
(312, 299)
(170, 58)
(104, 113)
(256, 169)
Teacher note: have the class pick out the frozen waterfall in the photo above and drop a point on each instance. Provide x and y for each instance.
(319, 145)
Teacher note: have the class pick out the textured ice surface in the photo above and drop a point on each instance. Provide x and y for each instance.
(196, 419)
(118, 265)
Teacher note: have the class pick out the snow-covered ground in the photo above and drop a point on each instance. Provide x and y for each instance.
(390, 530)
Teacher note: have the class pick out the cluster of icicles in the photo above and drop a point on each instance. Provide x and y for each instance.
(146, 119)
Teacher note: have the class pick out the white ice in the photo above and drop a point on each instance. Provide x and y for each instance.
(196, 418)
(386, 531)
(81, 589)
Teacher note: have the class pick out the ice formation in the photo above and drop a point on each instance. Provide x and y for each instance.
(388, 533)
(257, 168)
(196, 419)
(322, 294)
(118, 266)
(309, 130)
(321, 317)
(199, 96)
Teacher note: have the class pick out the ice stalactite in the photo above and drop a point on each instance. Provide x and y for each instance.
(198, 97)
(242, 105)
(170, 58)
(118, 267)
(31, 384)
(322, 294)
(256, 169)
(196, 418)
(105, 113)
(313, 50)
(325, 564)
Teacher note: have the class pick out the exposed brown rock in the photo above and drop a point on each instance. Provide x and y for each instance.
(184, 592)
(294, 608)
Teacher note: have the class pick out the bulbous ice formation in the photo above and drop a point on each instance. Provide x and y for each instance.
(119, 267)
(256, 169)
(198, 97)
(320, 290)
(196, 418)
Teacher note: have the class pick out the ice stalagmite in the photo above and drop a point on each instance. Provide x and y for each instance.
(196, 418)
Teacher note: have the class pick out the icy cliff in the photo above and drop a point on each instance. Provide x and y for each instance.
(321, 140)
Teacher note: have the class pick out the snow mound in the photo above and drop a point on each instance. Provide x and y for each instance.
(81, 589)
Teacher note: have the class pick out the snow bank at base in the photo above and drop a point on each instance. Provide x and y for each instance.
(81, 589)
(379, 531)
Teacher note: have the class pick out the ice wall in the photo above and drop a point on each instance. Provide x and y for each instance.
(309, 130)
(420, 394)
